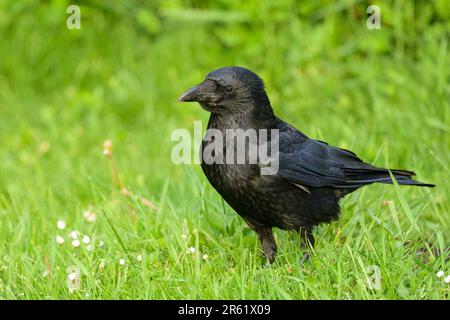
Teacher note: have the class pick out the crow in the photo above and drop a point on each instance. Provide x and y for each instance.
(311, 176)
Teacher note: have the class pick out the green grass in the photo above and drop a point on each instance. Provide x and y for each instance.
(383, 93)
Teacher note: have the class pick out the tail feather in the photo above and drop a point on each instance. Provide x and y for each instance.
(378, 175)
(404, 177)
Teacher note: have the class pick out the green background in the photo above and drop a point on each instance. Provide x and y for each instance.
(384, 93)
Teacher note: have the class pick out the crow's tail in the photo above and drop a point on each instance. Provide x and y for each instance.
(378, 175)
(404, 177)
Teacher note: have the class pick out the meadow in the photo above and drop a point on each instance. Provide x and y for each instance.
(92, 207)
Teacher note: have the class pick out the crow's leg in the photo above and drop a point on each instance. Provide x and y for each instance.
(268, 243)
(265, 236)
(306, 237)
(306, 241)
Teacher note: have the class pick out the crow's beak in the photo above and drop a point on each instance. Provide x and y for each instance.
(190, 95)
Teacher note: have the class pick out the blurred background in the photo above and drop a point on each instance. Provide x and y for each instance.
(383, 93)
(62, 91)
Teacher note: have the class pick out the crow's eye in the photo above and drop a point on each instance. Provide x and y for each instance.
(229, 89)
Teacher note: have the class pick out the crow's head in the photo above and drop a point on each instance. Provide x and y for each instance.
(229, 89)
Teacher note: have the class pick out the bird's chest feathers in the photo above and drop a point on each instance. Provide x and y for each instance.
(229, 154)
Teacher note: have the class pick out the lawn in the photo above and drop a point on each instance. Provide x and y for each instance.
(146, 228)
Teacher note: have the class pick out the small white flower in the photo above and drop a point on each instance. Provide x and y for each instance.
(101, 243)
(92, 217)
(59, 239)
(89, 216)
(73, 279)
(87, 294)
(76, 243)
(86, 239)
(191, 250)
(447, 279)
(205, 257)
(122, 262)
(45, 273)
(440, 274)
(139, 257)
(61, 224)
(183, 236)
(74, 234)
(90, 247)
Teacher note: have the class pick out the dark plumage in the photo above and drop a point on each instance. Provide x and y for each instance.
(312, 175)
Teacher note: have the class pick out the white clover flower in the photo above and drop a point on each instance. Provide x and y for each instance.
(122, 262)
(191, 250)
(90, 247)
(45, 273)
(76, 243)
(86, 239)
(205, 257)
(73, 278)
(61, 225)
(440, 274)
(59, 239)
(74, 234)
(90, 216)
(139, 257)
(447, 279)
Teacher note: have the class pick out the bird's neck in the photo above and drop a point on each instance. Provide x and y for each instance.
(250, 118)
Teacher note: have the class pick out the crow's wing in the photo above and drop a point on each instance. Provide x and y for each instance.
(313, 163)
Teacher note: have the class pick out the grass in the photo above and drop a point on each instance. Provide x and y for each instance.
(382, 93)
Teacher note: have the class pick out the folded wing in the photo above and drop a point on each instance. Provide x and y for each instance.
(314, 163)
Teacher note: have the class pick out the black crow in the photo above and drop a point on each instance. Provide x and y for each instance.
(312, 176)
